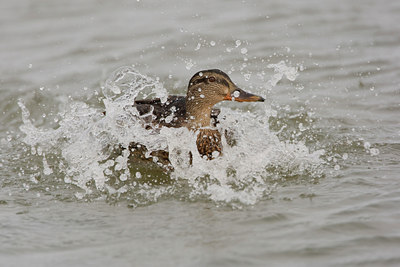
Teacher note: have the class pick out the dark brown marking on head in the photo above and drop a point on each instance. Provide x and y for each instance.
(223, 82)
(197, 81)
(206, 74)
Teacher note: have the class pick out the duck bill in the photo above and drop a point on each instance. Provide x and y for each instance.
(240, 95)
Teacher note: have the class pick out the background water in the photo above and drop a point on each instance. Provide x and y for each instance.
(317, 166)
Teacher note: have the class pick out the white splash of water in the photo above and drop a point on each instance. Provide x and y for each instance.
(84, 137)
(241, 172)
(281, 69)
(85, 143)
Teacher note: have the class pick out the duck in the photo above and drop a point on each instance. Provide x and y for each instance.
(195, 111)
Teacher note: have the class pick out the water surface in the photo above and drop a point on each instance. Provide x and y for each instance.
(313, 179)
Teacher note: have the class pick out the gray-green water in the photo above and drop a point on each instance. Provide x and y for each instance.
(313, 180)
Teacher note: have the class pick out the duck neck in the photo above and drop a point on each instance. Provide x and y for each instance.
(198, 113)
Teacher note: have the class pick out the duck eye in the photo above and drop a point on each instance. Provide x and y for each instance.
(211, 79)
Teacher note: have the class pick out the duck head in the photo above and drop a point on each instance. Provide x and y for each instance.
(209, 87)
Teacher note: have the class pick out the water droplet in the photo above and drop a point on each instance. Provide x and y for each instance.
(243, 50)
(367, 145)
(212, 43)
(115, 89)
(215, 154)
(374, 151)
(123, 177)
(189, 64)
(138, 175)
(198, 47)
(238, 43)
(46, 169)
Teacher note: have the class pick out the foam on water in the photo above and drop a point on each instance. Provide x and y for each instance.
(87, 149)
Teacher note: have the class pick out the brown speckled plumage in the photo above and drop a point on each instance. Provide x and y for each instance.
(194, 111)
(208, 142)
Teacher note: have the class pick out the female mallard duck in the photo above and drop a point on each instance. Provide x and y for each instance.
(194, 111)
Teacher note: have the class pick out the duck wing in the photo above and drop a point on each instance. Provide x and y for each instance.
(171, 113)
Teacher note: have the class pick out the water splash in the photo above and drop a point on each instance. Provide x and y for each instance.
(281, 69)
(89, 149)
